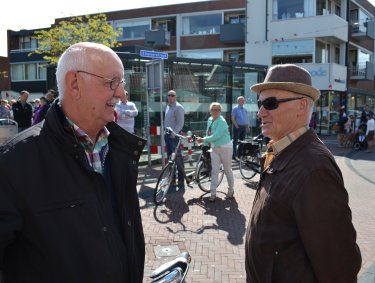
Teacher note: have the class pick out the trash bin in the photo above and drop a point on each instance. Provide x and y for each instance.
(8, 129)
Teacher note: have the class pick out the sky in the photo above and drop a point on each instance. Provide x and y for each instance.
(26, 14)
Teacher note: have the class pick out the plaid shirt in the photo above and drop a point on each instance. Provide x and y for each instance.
(95, 152)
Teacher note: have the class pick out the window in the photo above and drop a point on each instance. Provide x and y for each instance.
(234, 56)
(26, 42)
(167, 24)
(201, 54)
(235, 18)
(29, 72)
(201, 24)
(287, 9)
(132, 29)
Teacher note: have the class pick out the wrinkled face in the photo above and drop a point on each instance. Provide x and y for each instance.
(215, 111)
(97, 99)
(283, 120)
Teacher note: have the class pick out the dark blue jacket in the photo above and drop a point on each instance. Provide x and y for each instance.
(62, 228)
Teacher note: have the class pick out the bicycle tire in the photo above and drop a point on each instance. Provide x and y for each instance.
(247, 168)
(203, 178)
(164, 183)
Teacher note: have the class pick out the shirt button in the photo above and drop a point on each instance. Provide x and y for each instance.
(276, 252)
(129, 223)
(105, 229)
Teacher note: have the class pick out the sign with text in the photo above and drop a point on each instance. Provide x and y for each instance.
(153, 54)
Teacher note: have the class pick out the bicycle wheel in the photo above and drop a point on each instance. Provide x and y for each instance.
(203, 176)
(164, 183)
(247, 164)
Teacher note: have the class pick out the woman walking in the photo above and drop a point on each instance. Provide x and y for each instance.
(217, 135)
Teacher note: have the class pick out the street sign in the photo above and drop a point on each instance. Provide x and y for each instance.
(153, 54)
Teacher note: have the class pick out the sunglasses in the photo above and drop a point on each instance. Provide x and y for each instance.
(272, 103)
(215, 109)
(171, 95)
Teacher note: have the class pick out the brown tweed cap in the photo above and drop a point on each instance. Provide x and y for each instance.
(288, 77)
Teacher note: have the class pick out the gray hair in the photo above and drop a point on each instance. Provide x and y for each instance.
(74, 59)
(215, 104)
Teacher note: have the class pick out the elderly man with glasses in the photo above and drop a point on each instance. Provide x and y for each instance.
(81, 222)
(300, 228)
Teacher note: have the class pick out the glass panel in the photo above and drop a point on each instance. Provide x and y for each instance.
(287, 9)
(30, 72)
(42, 71)
(201, 24)
(203, 54)
(17, 72)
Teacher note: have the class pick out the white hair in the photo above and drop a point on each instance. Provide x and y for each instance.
(73, 59)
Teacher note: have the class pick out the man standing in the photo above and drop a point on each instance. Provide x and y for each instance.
(82, 222)
(366, 111)
(126, 112)
(23, 111)
(174, 118)
(240, 123)
(300, 228)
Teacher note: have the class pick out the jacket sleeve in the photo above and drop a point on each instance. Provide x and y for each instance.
(180, 116)
(325, 224)
(10, 219)
(132, 112)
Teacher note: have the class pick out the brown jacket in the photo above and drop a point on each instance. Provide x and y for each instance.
(300, 228)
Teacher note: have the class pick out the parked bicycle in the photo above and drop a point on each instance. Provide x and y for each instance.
(201, 175)
(172, 271)
(249, 154)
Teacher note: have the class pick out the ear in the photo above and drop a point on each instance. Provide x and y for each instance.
(72, 85)
(303, 106)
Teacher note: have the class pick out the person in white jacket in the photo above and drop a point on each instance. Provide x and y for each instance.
(126, 112)
(370, 131)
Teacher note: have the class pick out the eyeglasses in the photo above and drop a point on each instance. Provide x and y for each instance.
(172, 95)
(272, 103)
(215, 109)
(113, 83)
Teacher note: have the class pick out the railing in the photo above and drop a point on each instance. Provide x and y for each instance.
(358, 70)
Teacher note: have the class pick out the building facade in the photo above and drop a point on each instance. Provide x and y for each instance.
(332, 39)
(208, 42)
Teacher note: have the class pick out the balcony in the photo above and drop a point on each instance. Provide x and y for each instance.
(362, 71)
(232, 33)
(363, 30)
(157, 38)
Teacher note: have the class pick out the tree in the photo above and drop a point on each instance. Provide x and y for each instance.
(54, 41)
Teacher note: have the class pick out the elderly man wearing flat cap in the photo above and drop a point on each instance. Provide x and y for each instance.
(300, 228)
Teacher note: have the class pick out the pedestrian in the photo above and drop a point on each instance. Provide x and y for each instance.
(174, 118)
(50, 96)
(81, 222)
(217, 135)
(4, 111)
(22, 111)
(41, 112)
(365, 112)
(126, 112)
(300, 228)
(240, 123)
(370, 128)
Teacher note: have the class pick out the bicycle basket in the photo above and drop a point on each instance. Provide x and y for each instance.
(246, 149)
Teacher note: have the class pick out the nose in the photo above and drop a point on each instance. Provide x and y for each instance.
(119, 92)
(262, 112)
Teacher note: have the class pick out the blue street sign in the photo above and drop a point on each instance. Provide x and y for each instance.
(153, 54)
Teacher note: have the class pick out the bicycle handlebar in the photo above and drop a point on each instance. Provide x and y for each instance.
(169, 131)
(172, 270)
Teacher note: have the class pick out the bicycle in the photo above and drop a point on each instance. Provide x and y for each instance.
(250, 153)
(201, 175)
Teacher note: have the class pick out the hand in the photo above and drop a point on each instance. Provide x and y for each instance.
(199, 139)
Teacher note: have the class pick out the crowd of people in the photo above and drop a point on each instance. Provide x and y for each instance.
(83, 222)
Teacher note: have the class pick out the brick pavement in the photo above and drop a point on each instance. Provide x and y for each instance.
(214, 233)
